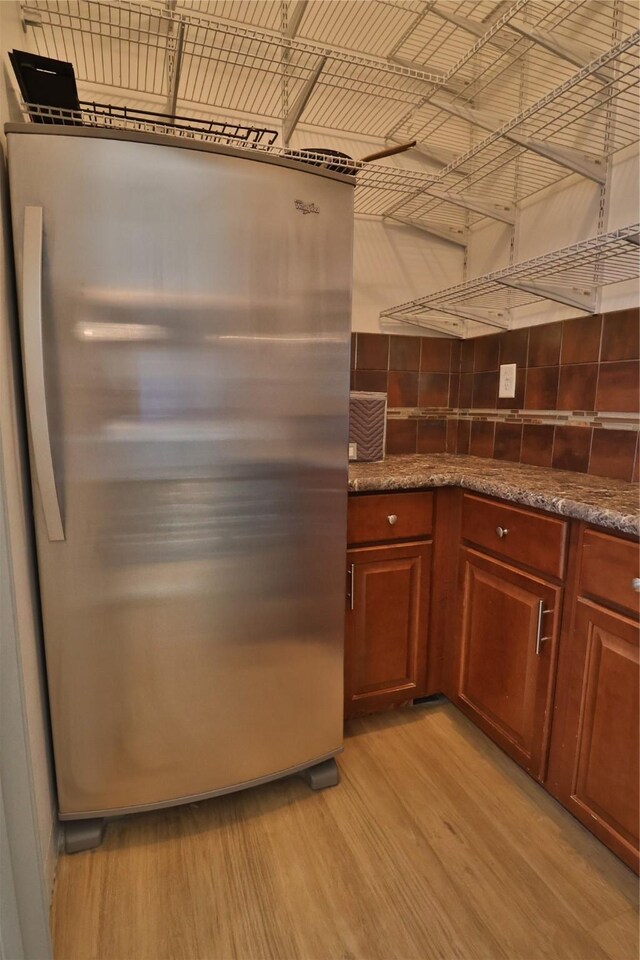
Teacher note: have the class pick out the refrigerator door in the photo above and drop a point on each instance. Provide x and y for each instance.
(186, 339)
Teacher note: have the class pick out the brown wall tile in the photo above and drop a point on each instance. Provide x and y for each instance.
(544, 345)
(537, 444)
(372, 351)
(541, 391)
(456, 351)
(613, 453)
(467, 352)
(507, 441)
(352, 355)
(404, 353)
(401, 436)
(434, 390)
(463, 436)
(514, 345)
(636, 465)
(454, 389)
(619, 386)
(452, 435)
(581, 339)
(621, 335)
(435, 356)
(465, 396)
(486, 353)
(432, 436)
(571, 447)
(374, 381)
(577, 387)
(402, 390)
(481, 443)
(563, 374)
(485, 389)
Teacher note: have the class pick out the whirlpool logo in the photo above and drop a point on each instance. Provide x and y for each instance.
(306, 207)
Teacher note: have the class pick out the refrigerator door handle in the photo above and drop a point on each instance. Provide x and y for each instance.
(34, 370)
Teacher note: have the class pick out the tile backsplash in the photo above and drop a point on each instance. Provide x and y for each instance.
(577, 393)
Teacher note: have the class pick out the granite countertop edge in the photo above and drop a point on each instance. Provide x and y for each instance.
(581, 504)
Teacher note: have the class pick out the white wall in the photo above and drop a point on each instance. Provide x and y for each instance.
(392, 263)
(21, 635)
(25, 889)
(564, 214)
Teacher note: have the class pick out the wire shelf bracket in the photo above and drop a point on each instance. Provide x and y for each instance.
(580, 299)
(296, 19)
(576, 53)
(489, 318)
(450, 234)
(290, 122)
(454, 328)
(504, 212)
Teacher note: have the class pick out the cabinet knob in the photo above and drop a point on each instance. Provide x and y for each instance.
(392, 518)
(635, 583)
(502, 532)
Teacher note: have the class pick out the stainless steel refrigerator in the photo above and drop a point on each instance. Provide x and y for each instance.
(185, 318)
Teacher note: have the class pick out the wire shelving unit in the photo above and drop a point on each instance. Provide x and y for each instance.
(572, 275)
(504, 97)
(510, 99)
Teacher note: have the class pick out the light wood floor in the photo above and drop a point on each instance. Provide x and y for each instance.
(435, 845)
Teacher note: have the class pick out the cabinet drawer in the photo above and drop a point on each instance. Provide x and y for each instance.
(525, 537)
(389, 516)
(608, 567)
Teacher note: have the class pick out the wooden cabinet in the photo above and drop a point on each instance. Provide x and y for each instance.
(386, 628)
(507, 631)
(388, 586)
(593, 764)
(528, 622)
(375, 518)
(507, 645)
(525, 537)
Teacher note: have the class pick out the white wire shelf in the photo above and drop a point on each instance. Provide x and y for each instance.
(504, 101)
(579, 125)
(241, 67)
(225, 65)
(572, 275)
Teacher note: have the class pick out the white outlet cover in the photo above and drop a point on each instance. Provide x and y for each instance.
(353, 451)
(507, 387)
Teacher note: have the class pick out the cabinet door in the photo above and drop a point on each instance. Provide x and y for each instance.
(507, 646)
(386, 628)
(599, 752)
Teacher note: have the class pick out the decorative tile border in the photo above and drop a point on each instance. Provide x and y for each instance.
(610, 421)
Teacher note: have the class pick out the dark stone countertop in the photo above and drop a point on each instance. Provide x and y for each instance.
(607, 503)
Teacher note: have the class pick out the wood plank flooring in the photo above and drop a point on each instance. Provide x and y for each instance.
(434, 845)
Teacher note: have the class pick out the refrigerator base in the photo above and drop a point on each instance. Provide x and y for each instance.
(83, 834)
(322, 775)
(88, 833)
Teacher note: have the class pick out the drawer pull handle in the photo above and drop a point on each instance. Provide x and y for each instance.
(502, 532)
(539, 638)
(635, 583)
(392, 518)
